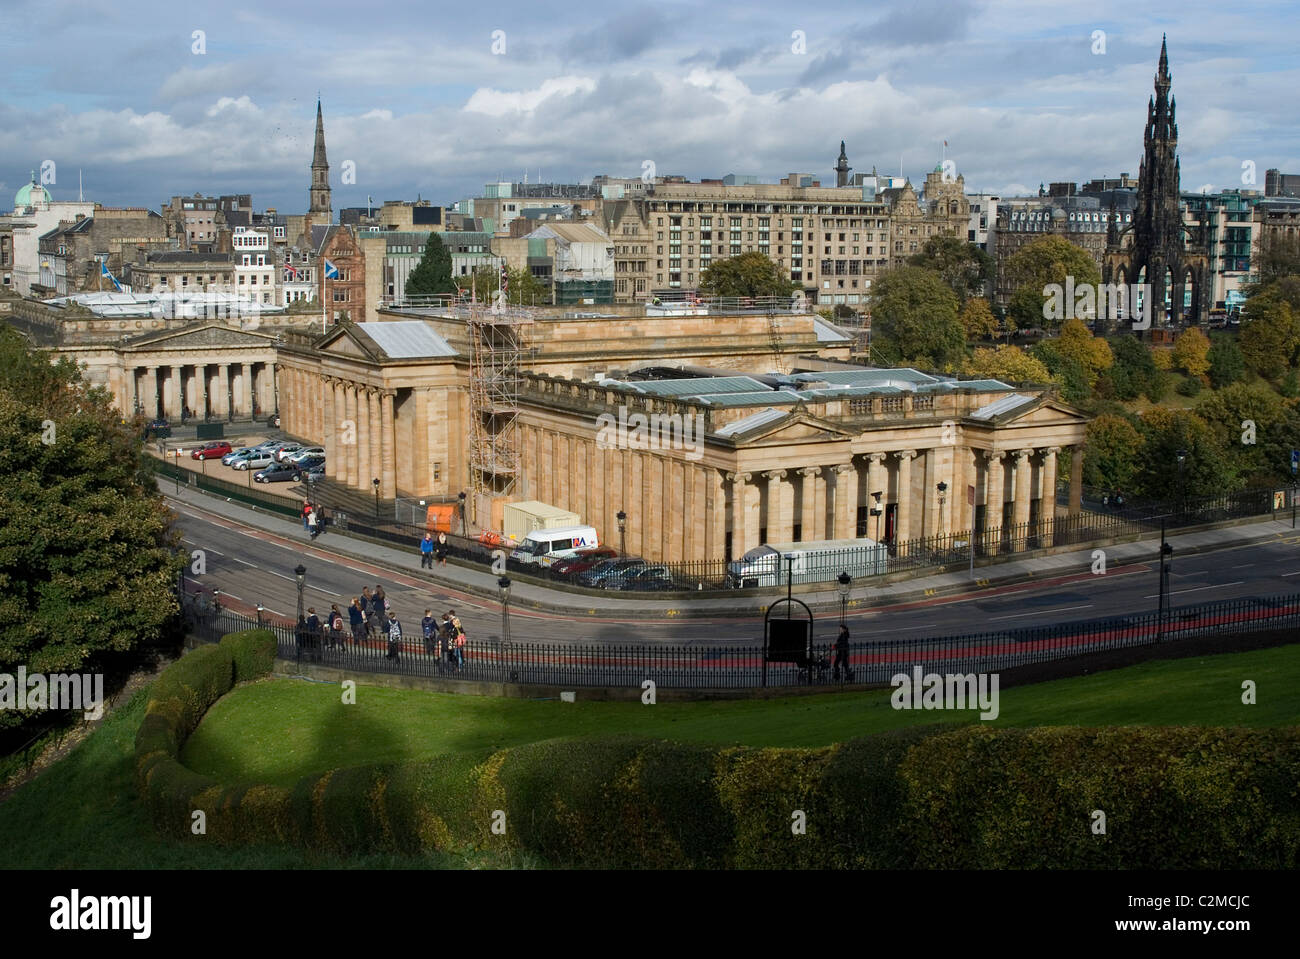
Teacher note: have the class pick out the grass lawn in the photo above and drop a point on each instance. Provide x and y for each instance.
(83, 813)
(279, 729)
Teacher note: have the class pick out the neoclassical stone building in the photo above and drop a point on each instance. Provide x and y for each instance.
(822, 449)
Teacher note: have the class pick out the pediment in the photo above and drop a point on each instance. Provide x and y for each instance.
(794, 428)
(203, 337)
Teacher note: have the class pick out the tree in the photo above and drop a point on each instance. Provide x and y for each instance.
(522, 288)
(1257, 425)
(432, 275)
(914, 319)
(1279, 257)
(88, 563)
(1270, 330)
(1092, 353)
(1008, 363)
(978, 320)
(1040, 266)
(749, 274)
(1192, 352)
(1207, 469)
(1227, 365)
(1134, 371)
(963, 267)
(1112, 452)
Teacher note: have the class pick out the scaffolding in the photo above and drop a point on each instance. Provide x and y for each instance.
(497, 336)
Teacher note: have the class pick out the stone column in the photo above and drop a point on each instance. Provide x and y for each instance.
(994, 493)
(246, 389)
(780, 507)
(345, 471)
(375, 428)
(739, 544)
(904, 521)
(846, 501)
(129, 393)
(331, 420)
(175, 398)
(1024, 474)
(1047, 503)
(1076, 480)
(223, 391)
(389, 476)
(819, 506)
(930, 495)
(716, 531)
(149, 402)
(808, 503)
(367, 437)
(877, 482)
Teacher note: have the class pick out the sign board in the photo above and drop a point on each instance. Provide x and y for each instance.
(1295, 461)
(787, 640)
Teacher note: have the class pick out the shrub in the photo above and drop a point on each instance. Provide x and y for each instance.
(1190, 386)
(253, 651)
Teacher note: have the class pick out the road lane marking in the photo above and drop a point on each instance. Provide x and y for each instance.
(1042, 612)
(1195, 589)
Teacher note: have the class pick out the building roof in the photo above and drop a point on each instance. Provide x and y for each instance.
(784, 397)
(1005, 405)
(754, 421)
(570, 232)
(407, 339)
(187, 256)
(903, 378)
(829, 333)
(700, 386)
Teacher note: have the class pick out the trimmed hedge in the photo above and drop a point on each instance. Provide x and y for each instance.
(929, 797)
(253, 651)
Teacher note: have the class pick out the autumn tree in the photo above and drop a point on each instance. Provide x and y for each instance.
(1010, 364)
(978, 320)
(1192, 352)
(1112, 453)
(963, 266)
(914, 319)
(1207, 468)
(1040, 265)
(1270, 330)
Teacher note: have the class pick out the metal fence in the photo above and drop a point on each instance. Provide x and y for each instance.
(740, 665)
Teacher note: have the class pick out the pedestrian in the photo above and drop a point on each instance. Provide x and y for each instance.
(357, 619)
(320, 520)
(371, 611)
(429, 627)
(457, 639)
(394, 635)
(313, 631)
(426, 551)
(311, 524)
(449, 638)
(380, 603)
(336, 626)
(842, 654)
(306, 511)
(442, 548)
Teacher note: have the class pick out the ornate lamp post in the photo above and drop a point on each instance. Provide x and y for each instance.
(943, 495)
(622, 532)
(503, 587)
(845, 583)
(375, 484)
(300, 574)
(460, 498)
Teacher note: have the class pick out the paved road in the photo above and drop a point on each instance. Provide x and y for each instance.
(250, 566)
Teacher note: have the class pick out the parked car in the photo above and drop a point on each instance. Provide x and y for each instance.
(159, 428)
(656, 578)
(598, 575)
(230, 457)
(273, 421)
(275, 473)
(309, 475)
(253, 459)
(585, 560)
(297, 457)
(284, 452)
(211, 451)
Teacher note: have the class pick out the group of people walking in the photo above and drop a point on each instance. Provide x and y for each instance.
(431, 549)
(371, 617)
(313, 518)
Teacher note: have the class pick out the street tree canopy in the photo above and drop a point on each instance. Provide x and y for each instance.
(1041, 263)
(749, 274)
(914, 319)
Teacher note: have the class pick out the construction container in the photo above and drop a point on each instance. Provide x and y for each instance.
(520, 519)
(440, 516)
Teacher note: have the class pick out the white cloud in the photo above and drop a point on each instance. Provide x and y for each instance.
(498, 103)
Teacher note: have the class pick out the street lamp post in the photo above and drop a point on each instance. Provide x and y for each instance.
(300, 574)
(1182, 458)
(460, 497)
(845, 581)
(375, 484)
(943, 495)
(877, 511)
(1166, 562)
(503, 586)
(622, 532)
(178, 469)
(260, 609)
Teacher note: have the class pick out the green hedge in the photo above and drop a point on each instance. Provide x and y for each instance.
(928, 797)
(253, 651)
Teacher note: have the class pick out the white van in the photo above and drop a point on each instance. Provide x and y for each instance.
(545, 546)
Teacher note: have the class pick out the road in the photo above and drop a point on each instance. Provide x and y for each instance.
(251, 566)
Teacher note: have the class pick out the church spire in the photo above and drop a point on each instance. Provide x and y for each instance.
(319, 194)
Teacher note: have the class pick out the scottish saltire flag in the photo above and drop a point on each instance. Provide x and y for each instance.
(103, 271)
(331, 271)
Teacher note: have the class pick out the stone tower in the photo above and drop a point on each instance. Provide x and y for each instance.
(319, 207)
(842, 168)
(1154, 248)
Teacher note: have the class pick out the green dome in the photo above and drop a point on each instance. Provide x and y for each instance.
(31, 194)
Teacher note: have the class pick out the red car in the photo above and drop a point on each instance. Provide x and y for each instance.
(583, 561)
(210, 451)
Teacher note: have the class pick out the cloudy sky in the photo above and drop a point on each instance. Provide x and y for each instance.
(429, 98)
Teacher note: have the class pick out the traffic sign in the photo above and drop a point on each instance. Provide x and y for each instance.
(1295, 461)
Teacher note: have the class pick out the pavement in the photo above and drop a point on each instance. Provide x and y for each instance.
(1040, 570)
